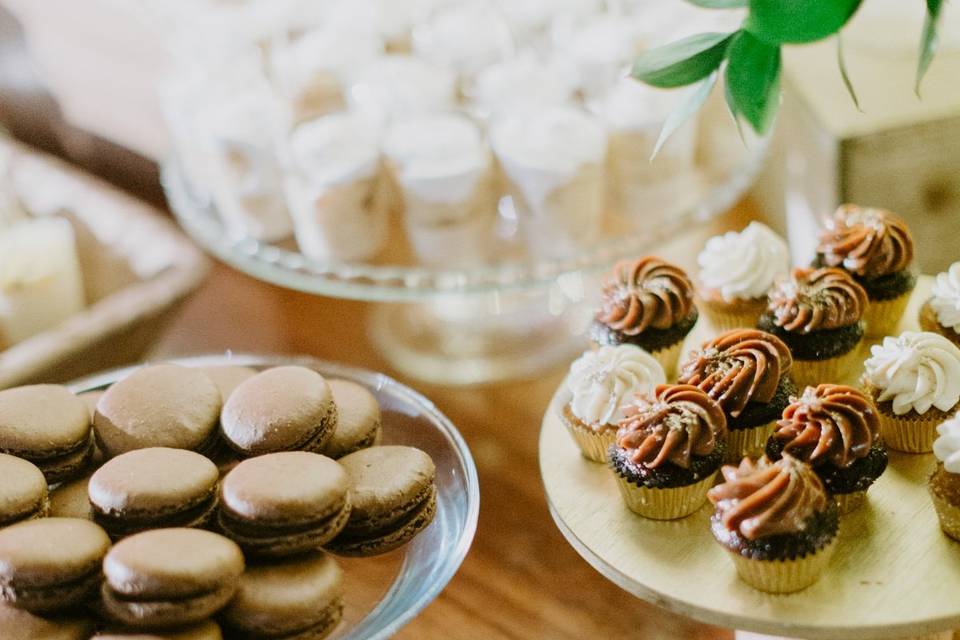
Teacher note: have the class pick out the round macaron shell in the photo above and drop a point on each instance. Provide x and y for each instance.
(70, 500)
(358, 419)
(281, 599)
(206, 630)
(48, 551)
(387, 481)
(402, 532)
(16, 624)
(228, 377)
(280, 409)
(162, 405)
(43, 421)
(23, 490)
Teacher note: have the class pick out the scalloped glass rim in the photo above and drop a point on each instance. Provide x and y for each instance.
(362, 281)
(423, 574)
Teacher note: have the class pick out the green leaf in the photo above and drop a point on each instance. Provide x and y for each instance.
(683, 62)
(928, 41)
(753, 80)
(720, 4)
(842, 63)
(780, 21)
(681, 114)
(734, 111)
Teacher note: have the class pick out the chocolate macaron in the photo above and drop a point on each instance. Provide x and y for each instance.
(358, 419)
(166, 578)
(153, 488)
(296, 599)
(163, 405)
(51, 564)
(280, 409)
(49, 426)
(206, 630)
(394, 498)
(284, 503)
(23, 491)
(17, 624)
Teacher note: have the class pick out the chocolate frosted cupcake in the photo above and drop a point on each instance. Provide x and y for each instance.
(746, 372)
(835, 429)
(647, 303)
(668, 450)
(945, 482)
(776, 521)
(600, 383)
(941, 313)
(736, 270)
(914, 380)
(817, 313)
(876, 248)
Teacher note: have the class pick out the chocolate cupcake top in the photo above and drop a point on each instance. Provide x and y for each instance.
(765, 498)
(738, 367)
(645, 293)
(673, 424)
(829, 423)
(816, 299)
(865, 241)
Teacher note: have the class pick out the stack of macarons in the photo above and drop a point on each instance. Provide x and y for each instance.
(196, 503)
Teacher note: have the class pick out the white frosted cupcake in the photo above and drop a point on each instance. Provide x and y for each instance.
(553, 161)
(944, 484)
(526, 81)
(400, 85)
(915, 382)
(601, 383)
(736, 270)
(444, 172)
(333, 188)
(941, 313)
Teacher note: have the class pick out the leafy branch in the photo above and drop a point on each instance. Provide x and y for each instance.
(750, 58)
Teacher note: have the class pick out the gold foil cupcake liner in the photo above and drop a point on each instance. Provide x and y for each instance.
(783, 576)
(593, 444)
(736, 315)
(847, 502)
(910, 433)
(747, 442)
(837, 370)
(949, 515)
(883, 316)
(669, 357)
(665, 503)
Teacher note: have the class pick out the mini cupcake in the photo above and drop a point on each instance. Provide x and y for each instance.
(914, 380)
(647, 303)
(601, 382)
(945, 481)
(835, 429)
(668, 450)
(736, 270)
(817, 312)
(776, 521)
(941, 313)
(876, 247)
(747, 372)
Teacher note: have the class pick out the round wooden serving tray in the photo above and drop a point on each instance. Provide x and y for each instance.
(894, 573)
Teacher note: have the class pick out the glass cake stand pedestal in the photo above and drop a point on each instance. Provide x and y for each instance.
(894, 573)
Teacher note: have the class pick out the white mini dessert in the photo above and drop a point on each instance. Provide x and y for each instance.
(601, 48)
(522, 82)
(399, 85)
(553, 160)
(945, 299)
(333, 187)
(40, 280)
(530, 20)
(444, 172)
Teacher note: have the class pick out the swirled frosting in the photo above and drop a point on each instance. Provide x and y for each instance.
(946, 297)
(915, 371)
(673, 424)
(738, 367)
(742, 265)
(603, 380)
(947, 445)
(816, 299)
(867, 242)
(764, 498)
(645, 293)
(829, 423)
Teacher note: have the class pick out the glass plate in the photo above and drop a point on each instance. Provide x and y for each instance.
(384, 593)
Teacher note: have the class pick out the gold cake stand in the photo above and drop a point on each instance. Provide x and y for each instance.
(894, 574)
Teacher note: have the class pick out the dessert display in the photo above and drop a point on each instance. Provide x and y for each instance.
(602, 382)
(668, 449)
(941, 312)
(817, 313)
(737, 270)
(945, 480)
(876, 248)
(748, 373)
(836, 430)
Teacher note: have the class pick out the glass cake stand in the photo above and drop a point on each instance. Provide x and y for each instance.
(385, 592)
(505, 319)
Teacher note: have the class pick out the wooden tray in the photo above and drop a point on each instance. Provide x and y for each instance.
(137, 268)
(894, 574)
